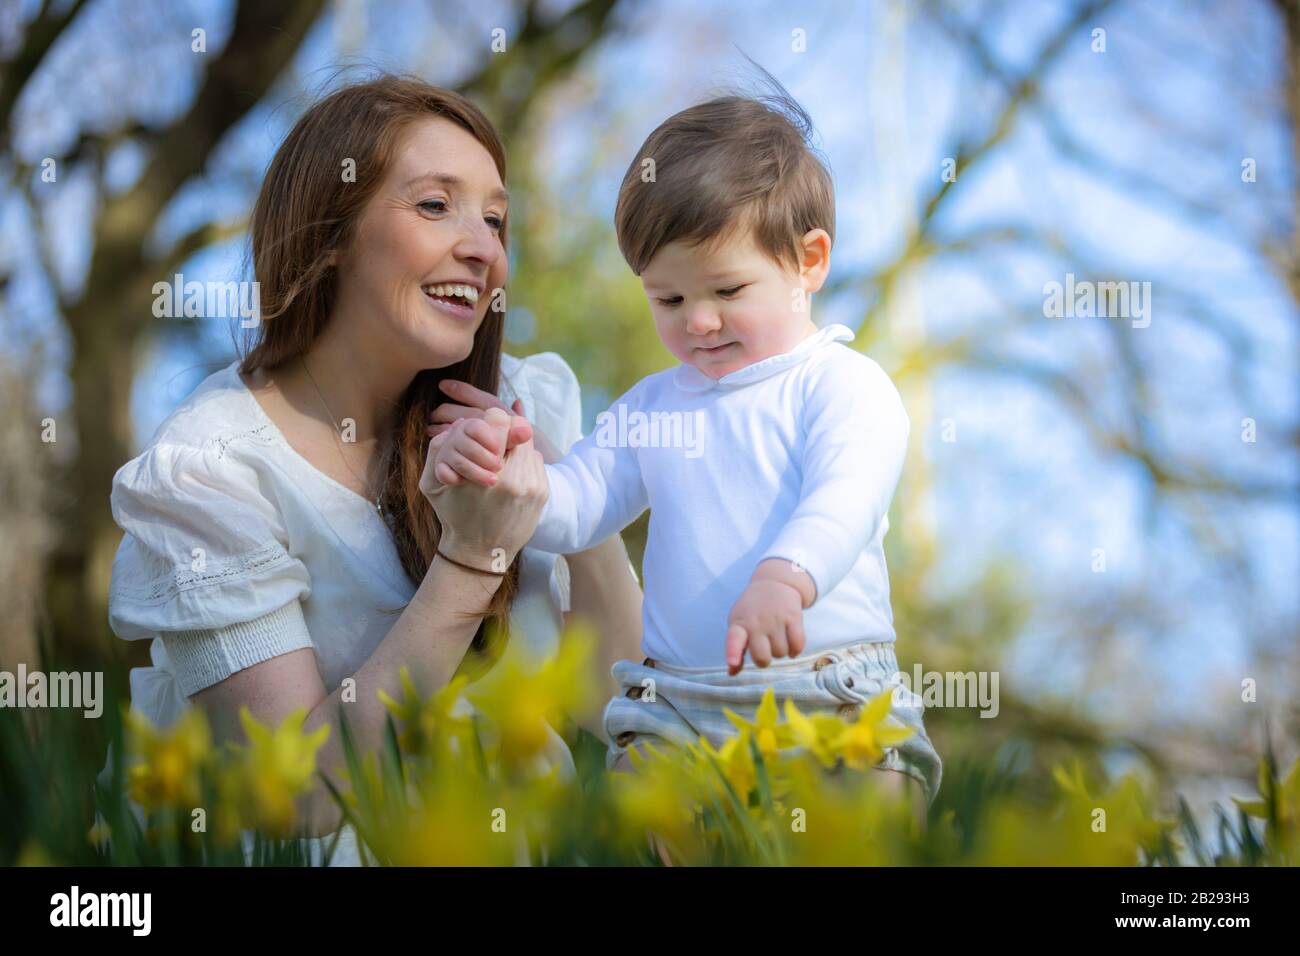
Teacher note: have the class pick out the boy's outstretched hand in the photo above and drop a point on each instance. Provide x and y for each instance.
(767, 620)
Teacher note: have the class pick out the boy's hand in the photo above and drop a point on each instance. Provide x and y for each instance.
(473, 449)
(768, 621)
(473, 402)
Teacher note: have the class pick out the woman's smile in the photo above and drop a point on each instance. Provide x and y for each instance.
(458, 299)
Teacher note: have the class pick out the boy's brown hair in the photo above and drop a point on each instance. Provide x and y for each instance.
(733, 162)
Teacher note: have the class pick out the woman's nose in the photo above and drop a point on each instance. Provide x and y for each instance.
(478, 242)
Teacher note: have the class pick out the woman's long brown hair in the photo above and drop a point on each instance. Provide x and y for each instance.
(305, 211)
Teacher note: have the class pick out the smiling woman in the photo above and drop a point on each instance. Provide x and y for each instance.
(283, 546)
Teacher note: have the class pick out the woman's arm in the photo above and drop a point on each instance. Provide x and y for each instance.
(604, 593)
(430, 638)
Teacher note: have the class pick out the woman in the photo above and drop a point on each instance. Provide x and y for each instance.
(278, 540)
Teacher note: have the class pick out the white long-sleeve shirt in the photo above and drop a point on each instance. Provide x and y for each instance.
(795, 457)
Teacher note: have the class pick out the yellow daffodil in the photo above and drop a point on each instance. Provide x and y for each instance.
(1072, 783)
(524, 701)
(860, 743)
(1086, 827)
(276, 767)
(1288, 792)
(820, 734)
(865, 740)
(454, 822)
(735, 759)
(660, 796)
(769, 733)
(850, 824)
(432, 726)
(168, 764)
(229, 816)
(1285, 836)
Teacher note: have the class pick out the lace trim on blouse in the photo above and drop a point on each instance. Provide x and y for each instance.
(185, 578)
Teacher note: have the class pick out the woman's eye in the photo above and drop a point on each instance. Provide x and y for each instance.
(434, 205)
(732, 291)
(496, 222)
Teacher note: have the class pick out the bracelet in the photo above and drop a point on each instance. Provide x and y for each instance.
(467, 567)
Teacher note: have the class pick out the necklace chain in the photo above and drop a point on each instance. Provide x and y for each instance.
(338, 430)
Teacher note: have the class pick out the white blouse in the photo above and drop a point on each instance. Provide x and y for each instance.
(237, 550)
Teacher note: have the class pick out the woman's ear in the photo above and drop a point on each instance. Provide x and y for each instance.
(815, 259)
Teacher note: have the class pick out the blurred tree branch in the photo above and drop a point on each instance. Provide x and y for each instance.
(110, 317)
(543, 51)
(38, 38)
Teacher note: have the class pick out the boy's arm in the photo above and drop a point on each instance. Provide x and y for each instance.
(594, 491)
(856, 439)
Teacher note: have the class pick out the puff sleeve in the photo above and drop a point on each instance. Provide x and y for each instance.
(204, 564)
(552, 397)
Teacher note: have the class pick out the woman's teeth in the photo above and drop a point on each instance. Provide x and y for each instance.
(466, 292)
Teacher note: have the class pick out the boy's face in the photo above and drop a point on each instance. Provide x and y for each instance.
(730, 305)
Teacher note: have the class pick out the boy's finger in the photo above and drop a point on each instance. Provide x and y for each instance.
(444, 473)
(777, 641)
(760, 650)
(736, 640)
(481, 433)
(467, 469)
(470, 447)
(794, 632)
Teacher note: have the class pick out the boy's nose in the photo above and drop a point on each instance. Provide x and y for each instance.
(701, 320)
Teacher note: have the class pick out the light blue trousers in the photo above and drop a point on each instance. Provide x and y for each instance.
(687, 702)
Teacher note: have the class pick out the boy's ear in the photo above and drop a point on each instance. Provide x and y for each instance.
(816, 259)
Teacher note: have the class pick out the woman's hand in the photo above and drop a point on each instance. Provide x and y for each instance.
(486, 526)
(473, 402)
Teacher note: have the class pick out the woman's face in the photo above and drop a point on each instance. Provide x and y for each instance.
(427, 252)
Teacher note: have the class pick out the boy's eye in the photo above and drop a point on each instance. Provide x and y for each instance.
(732, 291)
(671, 301)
